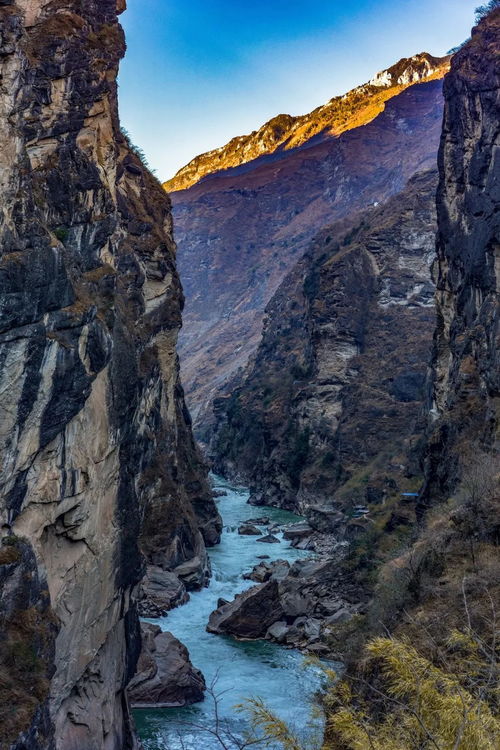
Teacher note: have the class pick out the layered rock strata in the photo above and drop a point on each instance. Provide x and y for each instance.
(98, 460)
(465, 405)
(327, 416)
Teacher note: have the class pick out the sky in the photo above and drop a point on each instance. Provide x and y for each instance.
(198, 72)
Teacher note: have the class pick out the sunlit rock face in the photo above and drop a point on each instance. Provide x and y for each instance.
(465, 404)
(240, 231)
(285, 132)
(326, 416)
(98, 461)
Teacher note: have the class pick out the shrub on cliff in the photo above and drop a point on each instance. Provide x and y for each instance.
(483, 10)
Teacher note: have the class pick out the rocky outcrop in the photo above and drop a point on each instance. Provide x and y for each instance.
(327, 416)
(292, 605)
(465, 405)
(165, 677)
(28, 631)
(160, 591)
(95, 440)
(241, 231)
(341, 113)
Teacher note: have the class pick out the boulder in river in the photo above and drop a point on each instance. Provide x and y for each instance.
(194, 573)
(269, 539)
(261, 521)
(165, 677)
(160, 591)
(248, 529)
(263, 571)
(250, 614)
(286, 606)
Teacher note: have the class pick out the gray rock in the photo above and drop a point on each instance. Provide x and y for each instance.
(248, 529)
(278, 570)
(194, 573)
(250, 614)
(343, 615)
(269, 539)
(295, 603)
(312, 629)
(165, 677)
(278, 631)
(330, 606)
(324, 519)
(297, 531)
(160, 592)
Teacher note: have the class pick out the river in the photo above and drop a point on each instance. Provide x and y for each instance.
(258, 668)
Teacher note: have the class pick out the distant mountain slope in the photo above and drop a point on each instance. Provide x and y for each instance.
(341, 113)
(326, 413)
(240, 232)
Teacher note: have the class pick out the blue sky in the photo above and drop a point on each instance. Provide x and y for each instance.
(198, 72)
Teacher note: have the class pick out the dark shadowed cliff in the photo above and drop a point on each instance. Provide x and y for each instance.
(327, 413)
(466, 363)
(95, 440)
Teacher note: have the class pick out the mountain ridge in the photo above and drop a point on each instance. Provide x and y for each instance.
(341, 113)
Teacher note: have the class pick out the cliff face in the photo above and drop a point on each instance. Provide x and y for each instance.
(327, 413)
(466, 364)
(341, 113)
(95, 440)
(240, 232)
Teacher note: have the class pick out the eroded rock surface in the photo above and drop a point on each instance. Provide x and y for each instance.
(327, 416)
(165, 677)
(95, 440)
(465, 404)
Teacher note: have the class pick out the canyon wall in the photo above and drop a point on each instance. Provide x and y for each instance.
(241, 230)
(327, 416)
(95, 440)
(465, 406)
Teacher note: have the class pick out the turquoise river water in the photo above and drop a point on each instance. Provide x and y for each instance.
(243, 669)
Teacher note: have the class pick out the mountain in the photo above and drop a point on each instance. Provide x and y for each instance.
(328, 411)
(99, 468)
(241, 231)
(285, 132)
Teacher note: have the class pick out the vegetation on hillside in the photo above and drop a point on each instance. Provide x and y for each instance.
(483, 10)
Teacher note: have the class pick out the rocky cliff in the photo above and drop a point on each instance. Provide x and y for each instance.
(241, 231)
(285, 132)
(95, 440)
(466, 365)
(326, 416)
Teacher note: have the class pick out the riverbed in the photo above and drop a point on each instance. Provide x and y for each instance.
(241, 669)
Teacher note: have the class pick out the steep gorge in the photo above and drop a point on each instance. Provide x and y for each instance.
(99, 466)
